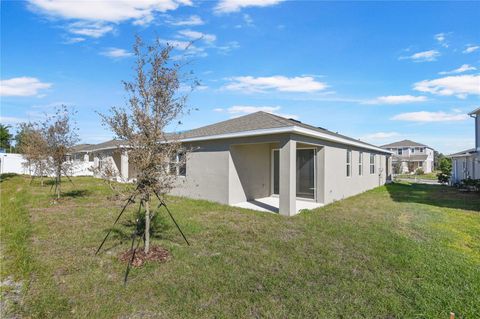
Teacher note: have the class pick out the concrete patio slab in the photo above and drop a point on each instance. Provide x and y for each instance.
(271, 204)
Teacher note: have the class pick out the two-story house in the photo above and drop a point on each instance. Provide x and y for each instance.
(466, 164)
(409, 156)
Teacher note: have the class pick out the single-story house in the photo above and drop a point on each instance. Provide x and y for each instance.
(466, 164)
(410, 156)
(267, 162)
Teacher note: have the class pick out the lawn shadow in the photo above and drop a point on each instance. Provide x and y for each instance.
(435, 195)
(76, 193)
(6, 176)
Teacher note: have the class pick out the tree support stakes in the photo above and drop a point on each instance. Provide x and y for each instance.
(162, 203)
(130, 200)
(134, 236)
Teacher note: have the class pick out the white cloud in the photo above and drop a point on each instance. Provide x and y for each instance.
(379, 136)
(238, 110)
(89, 29)
(424, 116)
(228, 6)
(248, 20)
(116, 53)
(463, 68)
(441, 39)
(424, 56)
(459, 85)
(195, 35)
(192, 20)
(73, 40)
(397, 99)
(110, 11)
(225, 49)
(188, 48)
(22, 86)
(278, 83)
(11, 120)
(471, 48)
(96, 18)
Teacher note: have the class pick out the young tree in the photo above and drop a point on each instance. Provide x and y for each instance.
(5, 137)
(445, 170)
(437, 159)
(155, 100)
(60, 135)
(32, 144)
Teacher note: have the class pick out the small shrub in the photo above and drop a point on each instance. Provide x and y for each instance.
(419, 171)
(470, 184)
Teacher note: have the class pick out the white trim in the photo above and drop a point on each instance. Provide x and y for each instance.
(290, 129)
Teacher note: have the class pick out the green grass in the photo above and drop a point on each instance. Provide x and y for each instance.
(399, 251)
(430, 176)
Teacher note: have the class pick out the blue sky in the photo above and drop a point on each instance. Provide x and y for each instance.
(376, 71)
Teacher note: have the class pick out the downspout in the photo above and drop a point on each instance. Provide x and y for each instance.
(477, 133)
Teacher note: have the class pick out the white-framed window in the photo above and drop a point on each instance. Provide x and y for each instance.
(420, 164)
(178, 164)
(400, 151)
(372, 163)
(413, 151)
(360, 163)
(182, 160)
(349, 163)
(421, 149)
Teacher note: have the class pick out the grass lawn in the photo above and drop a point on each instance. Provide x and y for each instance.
(399, 251)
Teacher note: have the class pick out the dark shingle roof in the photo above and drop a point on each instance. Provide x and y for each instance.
(404, 143)
(464, 153)
(250, 122)
(80, 147)
(104, 145)
(258, 121)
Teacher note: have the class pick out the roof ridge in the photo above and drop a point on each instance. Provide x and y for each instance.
(278, 118)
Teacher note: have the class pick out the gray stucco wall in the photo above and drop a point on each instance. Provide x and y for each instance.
(334, 184)
(236, 170)
(249, 172)
(338, 185)
(464, 167)
(207, 173)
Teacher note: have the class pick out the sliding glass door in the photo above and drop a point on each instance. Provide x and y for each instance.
(305, 177)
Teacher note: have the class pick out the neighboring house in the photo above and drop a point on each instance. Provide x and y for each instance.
(266, 162)
(410, 156)
(466, 164)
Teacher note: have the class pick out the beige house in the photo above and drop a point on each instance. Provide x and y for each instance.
(466, 164)
(411, 156)
(267, 162)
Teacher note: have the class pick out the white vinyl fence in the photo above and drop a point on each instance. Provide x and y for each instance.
(16, 163)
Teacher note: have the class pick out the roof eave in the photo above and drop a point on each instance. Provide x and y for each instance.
(287, 129)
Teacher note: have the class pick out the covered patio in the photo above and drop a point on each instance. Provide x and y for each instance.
(280, 175)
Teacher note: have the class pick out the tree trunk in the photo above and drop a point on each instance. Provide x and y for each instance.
(59, 182)
(147, 225)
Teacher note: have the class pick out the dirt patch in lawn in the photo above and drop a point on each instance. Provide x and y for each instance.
(156, 253)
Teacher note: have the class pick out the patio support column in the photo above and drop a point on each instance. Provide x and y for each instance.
(124, 165)
(288, 178)
(96, 161)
